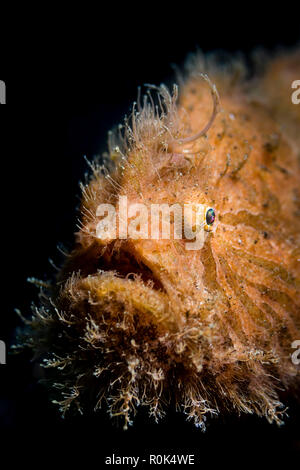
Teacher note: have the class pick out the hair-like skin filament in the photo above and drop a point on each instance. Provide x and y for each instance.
(216, 107)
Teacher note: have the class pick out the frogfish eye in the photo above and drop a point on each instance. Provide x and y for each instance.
(210, 217)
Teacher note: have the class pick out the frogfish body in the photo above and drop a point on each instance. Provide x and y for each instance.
(133, 322)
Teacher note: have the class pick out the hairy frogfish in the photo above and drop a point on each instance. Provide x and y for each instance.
(135, 322)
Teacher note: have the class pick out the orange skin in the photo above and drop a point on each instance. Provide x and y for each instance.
(209, 329)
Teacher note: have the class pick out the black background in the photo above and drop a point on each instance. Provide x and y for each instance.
(69, 80)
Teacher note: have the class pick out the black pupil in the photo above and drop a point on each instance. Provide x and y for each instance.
(210, 216)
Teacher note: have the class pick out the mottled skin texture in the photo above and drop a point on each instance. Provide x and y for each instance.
(207, 330)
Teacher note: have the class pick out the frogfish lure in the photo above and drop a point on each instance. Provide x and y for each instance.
(134, 322)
